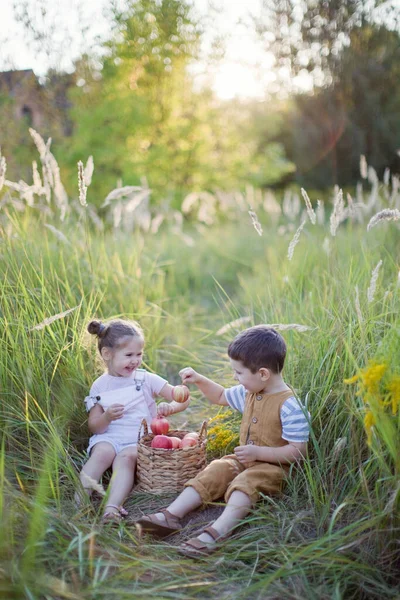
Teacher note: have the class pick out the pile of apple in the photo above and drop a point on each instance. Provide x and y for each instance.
(160, 427)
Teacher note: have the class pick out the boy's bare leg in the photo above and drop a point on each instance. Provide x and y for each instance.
(187, 500)
(238, 506)
(122, 480)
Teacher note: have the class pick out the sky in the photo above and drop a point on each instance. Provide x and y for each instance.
(245, 71)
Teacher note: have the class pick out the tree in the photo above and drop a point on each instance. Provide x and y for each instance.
(359, 114)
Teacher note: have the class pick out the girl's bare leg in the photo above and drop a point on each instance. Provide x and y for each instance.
(101, 458)
(123, 478)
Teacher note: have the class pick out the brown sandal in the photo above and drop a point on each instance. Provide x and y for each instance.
(114, 517)
(152, 524)
(194, 547)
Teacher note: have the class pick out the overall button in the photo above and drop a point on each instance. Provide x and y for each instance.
(259, 397)
(254, 419)
(251, 442)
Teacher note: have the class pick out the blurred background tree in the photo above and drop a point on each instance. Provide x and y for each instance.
(136, 105)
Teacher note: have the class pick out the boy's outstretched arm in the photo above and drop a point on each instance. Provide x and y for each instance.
(214, 392)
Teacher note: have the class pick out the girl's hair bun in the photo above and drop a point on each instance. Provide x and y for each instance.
(96, 328)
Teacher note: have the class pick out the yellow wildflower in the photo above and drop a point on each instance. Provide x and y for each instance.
(369, 422)
(394, 391)
(352, 379)
(371, 377)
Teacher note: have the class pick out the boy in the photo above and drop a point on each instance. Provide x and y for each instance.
(273, 434)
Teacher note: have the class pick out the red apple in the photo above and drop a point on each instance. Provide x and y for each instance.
(162, 441)
(180, 393)
(188, 441)
(192, 434)
(159, 426)
(176, 442)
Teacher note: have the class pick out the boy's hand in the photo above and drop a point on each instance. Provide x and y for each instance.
(114, 412)
(189, 375)
(165, 409)
(246, 454)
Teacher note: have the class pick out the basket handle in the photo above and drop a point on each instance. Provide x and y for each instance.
(144, 427)
(203, 431)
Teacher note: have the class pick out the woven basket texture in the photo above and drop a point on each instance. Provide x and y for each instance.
(164, 471)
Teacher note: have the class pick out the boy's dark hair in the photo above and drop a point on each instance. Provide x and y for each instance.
(258, 347)
(110, 334)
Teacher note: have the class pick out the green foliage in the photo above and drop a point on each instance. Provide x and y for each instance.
(335, 529)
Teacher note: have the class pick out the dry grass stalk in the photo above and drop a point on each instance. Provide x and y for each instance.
(156, 223)
(233, 325)
(395, 190)
(372, 176)
(337, 213)
(372, 285)
(289, 326)
(363, 167)
(50, 320)
(387, 214)
(88, 173)
(3, 169)
(121, 192)
(295, 241)
(326, 246)
(310, 211)
(291, 205)
(189, 202)
(386, 177)
(59, 235)
(320, 214)
(93, 484)
(81, 184)
(255, 222)
(338, 447)
(37, 181)
(357, 305)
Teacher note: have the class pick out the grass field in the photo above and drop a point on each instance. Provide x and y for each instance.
(335, 531)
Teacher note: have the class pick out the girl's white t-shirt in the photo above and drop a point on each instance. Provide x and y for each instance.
(152, 386)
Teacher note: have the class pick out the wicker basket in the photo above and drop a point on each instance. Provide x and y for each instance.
(163, 471)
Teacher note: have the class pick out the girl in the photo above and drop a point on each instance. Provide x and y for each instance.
(118, 401)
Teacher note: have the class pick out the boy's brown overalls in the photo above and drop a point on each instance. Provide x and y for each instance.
(261, 425)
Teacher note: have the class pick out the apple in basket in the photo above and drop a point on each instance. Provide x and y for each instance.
(162, 441)
(176, 442)
(188, 441)
(180, 393)
(192, 434)
(159, 426)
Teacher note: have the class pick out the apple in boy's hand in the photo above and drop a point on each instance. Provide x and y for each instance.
(159, 426)
(180, 393)
(176, 442)
(162, 441)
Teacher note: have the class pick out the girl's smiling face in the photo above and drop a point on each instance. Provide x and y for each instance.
(126, 358)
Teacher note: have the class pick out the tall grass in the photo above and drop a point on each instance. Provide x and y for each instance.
(334, 533)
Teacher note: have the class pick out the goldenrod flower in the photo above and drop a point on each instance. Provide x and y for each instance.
(352, 379)
(369, 422)
(394, 392)
(371, 377)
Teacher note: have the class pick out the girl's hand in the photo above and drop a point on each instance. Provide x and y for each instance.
(164, 409)
(189, 375)
(246, 454)
(114, 412)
